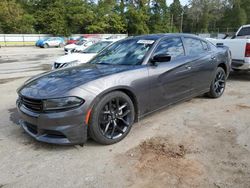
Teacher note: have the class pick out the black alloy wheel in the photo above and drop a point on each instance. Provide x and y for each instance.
(112, 118)
(218, 84)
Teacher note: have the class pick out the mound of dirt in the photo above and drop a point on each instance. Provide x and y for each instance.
(161, 147)
(158, 162)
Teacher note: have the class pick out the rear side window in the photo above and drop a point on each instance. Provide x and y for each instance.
(195, 46)
(171, 46)
(244, 31)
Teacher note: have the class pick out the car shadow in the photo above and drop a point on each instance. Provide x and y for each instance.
(239, 76)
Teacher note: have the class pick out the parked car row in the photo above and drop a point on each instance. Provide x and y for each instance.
(58, 41)
(124, 81)
(80, 45)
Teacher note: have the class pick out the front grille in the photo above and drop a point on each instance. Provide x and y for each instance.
(32, 104)
(54, 134)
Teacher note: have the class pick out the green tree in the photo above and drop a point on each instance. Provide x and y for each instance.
(187, 21)
(234, 16)
(51, 18)
(107, 18)
(205, 15)
(138, 17)
(246, 6)
(13, 19)
(159, 17)
(204, 21)
(176, 12)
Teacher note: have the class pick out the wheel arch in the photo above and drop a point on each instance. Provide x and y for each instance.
(125, 89)
(223, 65)
(45, 43)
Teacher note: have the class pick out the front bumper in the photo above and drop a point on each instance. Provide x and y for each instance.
(65, 128)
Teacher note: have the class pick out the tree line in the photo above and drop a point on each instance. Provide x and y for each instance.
(64, 17)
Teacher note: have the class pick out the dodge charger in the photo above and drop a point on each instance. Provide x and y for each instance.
(130, 79)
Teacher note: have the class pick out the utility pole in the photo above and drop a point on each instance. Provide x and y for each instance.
(181, 22)
(172, 23)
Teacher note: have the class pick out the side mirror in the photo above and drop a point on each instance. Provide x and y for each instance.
(161, 58)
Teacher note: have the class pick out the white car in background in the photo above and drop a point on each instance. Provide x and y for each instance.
(80, 45)
(76, 58)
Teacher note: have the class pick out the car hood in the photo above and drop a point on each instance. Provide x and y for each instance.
(70, 46)
(59, 82)
(81, 57)
(80, 47)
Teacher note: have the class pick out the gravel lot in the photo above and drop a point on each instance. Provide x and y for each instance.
(199, 143)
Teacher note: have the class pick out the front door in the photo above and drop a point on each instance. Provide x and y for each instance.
(170, 81)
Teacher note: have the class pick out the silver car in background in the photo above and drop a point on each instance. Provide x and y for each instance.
(79, 57)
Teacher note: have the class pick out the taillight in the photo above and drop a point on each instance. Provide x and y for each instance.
(247, 53)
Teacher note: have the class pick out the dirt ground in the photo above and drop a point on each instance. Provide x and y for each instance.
(199, 143)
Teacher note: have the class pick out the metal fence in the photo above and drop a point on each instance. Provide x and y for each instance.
(30, 39)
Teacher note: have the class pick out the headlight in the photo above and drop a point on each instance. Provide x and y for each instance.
(62, 103)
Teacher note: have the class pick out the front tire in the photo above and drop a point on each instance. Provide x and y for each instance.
(218, 84)
(111, 118)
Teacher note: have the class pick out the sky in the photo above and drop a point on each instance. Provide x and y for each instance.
(183, 2)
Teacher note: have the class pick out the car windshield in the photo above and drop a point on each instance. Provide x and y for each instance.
(97, 47)
(125, 52)
(81, 42)
(244, 31)
(73, 38)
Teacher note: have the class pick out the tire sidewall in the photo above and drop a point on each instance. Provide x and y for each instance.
(94, 129)
(212, 92)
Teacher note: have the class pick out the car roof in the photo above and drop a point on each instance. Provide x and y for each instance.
(109, 40)
(158, 36)
(246, 26)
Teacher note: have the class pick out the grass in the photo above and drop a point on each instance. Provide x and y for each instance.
(10, 43)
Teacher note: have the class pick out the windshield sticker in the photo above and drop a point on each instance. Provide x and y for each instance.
(145, 41)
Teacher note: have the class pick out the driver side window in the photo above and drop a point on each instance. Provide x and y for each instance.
(172, 47)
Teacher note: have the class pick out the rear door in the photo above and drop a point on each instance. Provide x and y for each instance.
(202, 63)
(53, 41)
(169, 81)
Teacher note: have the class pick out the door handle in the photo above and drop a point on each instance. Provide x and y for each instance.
(213, 58)
(188, 67)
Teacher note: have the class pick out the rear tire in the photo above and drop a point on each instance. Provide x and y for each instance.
(111, 118)
(61, 45)
(46, 46)
(218, 84)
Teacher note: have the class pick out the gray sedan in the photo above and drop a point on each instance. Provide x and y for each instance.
(128, 80)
